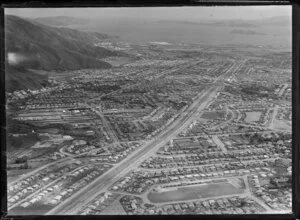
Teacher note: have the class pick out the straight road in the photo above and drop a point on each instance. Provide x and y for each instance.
(219, 143)
(106, 125)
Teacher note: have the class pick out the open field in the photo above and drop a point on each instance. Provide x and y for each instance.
(37, 209)
(282, 124)
(194, 192)
(252, 116)
(114, 208)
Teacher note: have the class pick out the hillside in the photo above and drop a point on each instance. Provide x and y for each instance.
(18, 78)
(31, 45)
(54, 48)
(61, 21)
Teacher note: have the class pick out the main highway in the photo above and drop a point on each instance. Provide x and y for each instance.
(79, 199)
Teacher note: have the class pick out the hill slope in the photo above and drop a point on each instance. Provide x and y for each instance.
(61, 21)
(54, 48)
(18, 78)
(30, 45)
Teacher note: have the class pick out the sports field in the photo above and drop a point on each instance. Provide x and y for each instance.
(194, 192)
(252, 116)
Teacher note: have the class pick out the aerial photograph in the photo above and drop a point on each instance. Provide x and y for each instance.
(149, 110)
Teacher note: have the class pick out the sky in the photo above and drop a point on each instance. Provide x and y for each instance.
(142, 24)
(159, 13)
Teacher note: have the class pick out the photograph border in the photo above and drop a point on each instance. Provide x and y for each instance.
(171, 3)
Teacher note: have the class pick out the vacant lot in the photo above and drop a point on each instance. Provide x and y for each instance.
(282, 124)
(194, 192)
(36, 209)
(252, 116)
(114, 209)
